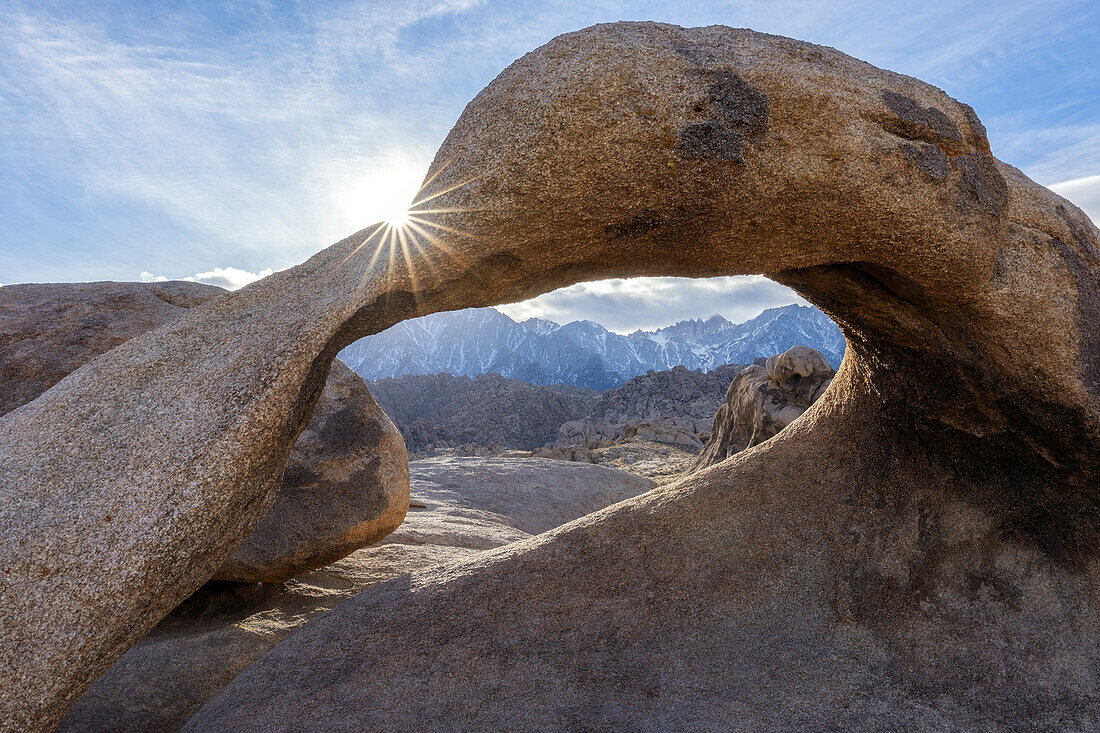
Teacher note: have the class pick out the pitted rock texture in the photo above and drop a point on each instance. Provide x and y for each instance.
(346, 483)
(918, 551)
(761, 401)
(460, 507)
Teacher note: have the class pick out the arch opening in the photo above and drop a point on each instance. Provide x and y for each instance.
(630, 374)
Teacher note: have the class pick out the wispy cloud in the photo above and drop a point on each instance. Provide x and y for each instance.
(652, 302)
(252, 133)
(250, 147)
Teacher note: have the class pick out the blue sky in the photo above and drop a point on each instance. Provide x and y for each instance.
(221, 140)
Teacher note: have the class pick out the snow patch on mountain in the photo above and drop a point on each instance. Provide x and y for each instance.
(583, 353)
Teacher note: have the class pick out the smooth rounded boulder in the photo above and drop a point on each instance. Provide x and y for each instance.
(346, 486)
(937, 568)
(48, 331)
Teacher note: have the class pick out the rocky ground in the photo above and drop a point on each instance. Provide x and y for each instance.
(459, 508)
(652, 459)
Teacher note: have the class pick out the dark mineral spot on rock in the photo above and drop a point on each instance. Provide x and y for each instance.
(740, 104)
(345, 430)
(711, 140)
(918, 123)
(928, 158)
(297, 476)
(981, 183)
(637, 226)
(739, 111)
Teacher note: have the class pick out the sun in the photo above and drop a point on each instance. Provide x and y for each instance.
(398, 218)
(383, 194)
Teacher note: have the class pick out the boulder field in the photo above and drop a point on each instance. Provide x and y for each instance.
(918, 551)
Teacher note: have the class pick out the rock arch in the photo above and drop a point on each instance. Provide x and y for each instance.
(944, 493)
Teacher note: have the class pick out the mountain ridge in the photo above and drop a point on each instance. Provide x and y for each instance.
(582, 353)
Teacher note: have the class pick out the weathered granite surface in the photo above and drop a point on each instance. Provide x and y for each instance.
(763, 400)
(918, 551)
(346, 482)
(460, 507)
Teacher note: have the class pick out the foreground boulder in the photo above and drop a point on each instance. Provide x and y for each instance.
(48, 331)
(346, 482)
(346, 485)
(936, 568)
(460, 507)
(761, 401)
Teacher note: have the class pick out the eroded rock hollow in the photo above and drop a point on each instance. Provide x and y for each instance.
(917, 551)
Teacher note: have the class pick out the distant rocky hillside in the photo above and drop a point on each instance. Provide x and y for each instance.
(674, 406)
(490, 413)
(582, 353)
(439, 411)
(677, 392)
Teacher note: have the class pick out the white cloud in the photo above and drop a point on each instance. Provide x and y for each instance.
(230, 278)
(1085, 192)
(625, 305)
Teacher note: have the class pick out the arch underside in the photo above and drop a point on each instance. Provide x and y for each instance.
(919, 548)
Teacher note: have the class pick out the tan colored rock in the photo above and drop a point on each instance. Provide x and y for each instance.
(48, 331)
(935, 569)
(460, 506)
(346, 484)
(802, 373)
(761, 401)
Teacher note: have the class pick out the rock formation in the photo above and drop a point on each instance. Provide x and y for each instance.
(936, 569)
(761, 401)
(460, 507)
(346, 483)
(672, 406)
(49, 331)
(440, 411)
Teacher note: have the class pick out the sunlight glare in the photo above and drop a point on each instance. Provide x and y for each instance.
(383, 195)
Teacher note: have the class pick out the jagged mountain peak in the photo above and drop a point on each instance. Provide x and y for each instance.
(583, 352)
(541, 326)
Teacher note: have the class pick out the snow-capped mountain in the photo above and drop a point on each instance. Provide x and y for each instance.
(582, 353)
